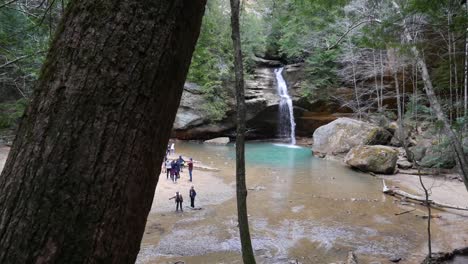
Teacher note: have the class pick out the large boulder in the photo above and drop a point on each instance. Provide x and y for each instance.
(343, 134)
(218, 141)
(378, 159)
(439, 156)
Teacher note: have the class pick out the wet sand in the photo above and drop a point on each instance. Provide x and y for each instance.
(445, 190)
(289, 229)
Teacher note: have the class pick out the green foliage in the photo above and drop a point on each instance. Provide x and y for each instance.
(11, 112)
(215, 105)
(22, 34)
(321, 70)
(418, 106)
(212, 61)
(440, 155)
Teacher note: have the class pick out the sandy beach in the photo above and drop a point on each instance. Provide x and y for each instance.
(165, 238)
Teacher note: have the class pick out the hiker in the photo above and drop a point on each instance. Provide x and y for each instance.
(168, 150)
(190, 168)
(192, 194)
(179, 200)
(177, 168)
(172, 148)
(174, 171)
(168, 168)
(181, 162)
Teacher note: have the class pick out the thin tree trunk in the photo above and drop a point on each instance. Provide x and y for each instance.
(465, 101)
(416, 92)
(454, 61)
(450, 67)
(401, 134)
(429, 215)
(356, 93)
(381, 79)
(242, 216)
(403, 89)
(435, 105)
(80, 178)
(379, 107)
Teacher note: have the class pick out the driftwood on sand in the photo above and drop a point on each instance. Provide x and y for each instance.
(394, 192)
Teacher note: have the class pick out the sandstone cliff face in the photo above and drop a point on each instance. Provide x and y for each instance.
(260, 97)
(262, 107)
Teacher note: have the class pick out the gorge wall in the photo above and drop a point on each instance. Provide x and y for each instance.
(262, 106)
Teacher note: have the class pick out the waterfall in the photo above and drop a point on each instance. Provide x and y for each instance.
(287, 125)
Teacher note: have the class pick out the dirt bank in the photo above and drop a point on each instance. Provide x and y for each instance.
(442, 189)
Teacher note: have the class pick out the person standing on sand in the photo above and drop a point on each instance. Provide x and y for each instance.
(192, 194)
(181, 162)
(172, 148)
(173, 172)
(190, 168)
(177, 169)
(179, 200)
(168, 168)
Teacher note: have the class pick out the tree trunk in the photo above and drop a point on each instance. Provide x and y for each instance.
(381, 79)
(465, 74)
(242, 216)
(435, 105)
(80, 178)
(379, 107)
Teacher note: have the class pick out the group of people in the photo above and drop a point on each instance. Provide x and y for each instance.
(179, 199)
(174, 168)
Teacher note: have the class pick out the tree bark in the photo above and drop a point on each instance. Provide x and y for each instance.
(435, 105)
(80, 178)
(242, 216)
(465, 75)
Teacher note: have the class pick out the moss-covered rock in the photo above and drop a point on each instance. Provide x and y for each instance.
(378, 159)
(343, 134)
(418, 151)
(439, 156)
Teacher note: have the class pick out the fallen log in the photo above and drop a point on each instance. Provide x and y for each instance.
(421, 199)
(415, 172)
(405, 212)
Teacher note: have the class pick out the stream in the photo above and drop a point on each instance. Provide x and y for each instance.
(300, 208)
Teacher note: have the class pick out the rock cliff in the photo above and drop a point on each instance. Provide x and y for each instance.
(262, 107)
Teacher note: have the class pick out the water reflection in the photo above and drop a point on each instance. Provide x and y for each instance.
(306, 207)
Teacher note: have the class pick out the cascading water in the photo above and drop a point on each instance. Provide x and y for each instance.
(287, 125)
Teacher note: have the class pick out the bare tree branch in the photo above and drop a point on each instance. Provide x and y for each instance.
(20, 58)
(8, 3)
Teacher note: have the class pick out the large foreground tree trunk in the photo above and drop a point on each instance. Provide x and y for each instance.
(79, 181)
(242, 216)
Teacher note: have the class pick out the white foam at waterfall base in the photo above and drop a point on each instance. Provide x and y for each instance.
(287, 145)
(286, 113)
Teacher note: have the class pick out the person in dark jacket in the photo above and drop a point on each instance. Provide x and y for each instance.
(192, 194)
(181, 162)
(174, 171)
(179, 200)
(190, 168)
(177, 169)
